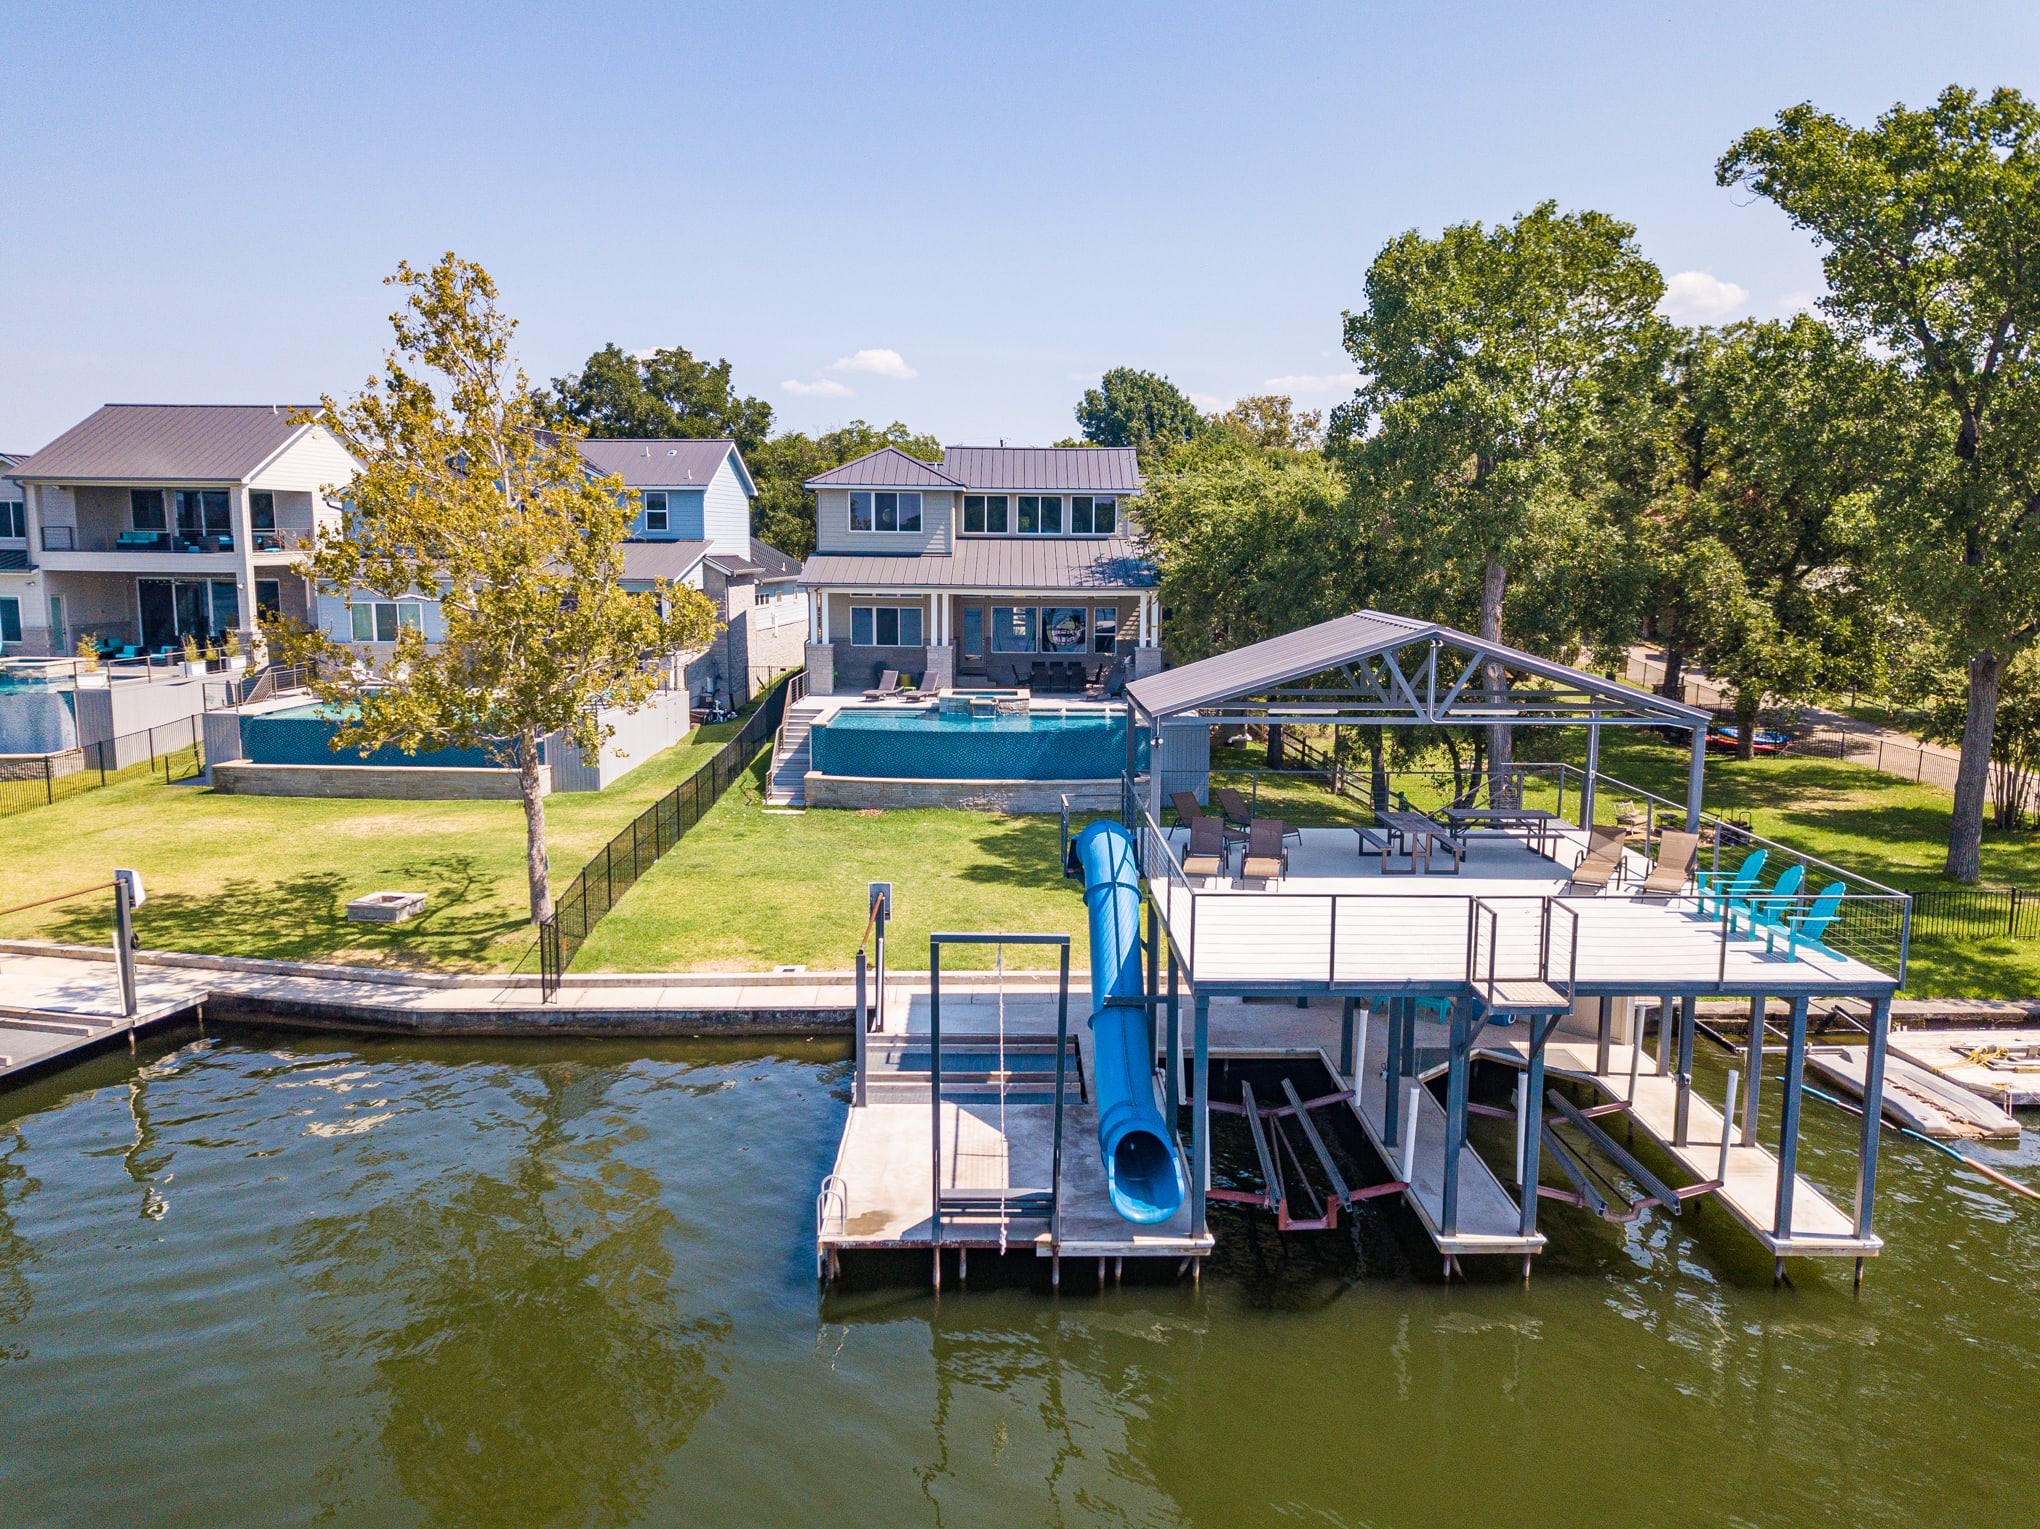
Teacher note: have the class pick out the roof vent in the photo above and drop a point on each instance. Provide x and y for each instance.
(648, 451)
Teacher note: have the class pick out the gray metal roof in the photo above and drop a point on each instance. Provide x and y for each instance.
(664, 464)
(1313, 650)
(1084, 469)
(152, 442)
(661, 560)
(887, 467)
(1045, 563)
(777, 564)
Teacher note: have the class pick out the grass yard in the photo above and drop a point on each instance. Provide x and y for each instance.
(271, 876)
(747, 890)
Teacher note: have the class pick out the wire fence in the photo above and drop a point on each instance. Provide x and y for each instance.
(634, 851)
(173, 752)
(1958, 914)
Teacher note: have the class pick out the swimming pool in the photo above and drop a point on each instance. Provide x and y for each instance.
(302, 735)
(919, 744)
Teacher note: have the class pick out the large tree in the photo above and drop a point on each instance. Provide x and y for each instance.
(1137, 409)
(661, 395)
(1929, 223)
(464, 498)
(1494, 359)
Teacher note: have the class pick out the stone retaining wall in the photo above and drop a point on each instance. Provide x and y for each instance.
(421, 783)
(33, 766)
(974, 795)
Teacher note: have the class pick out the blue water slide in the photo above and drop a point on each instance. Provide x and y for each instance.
(1142, 1171)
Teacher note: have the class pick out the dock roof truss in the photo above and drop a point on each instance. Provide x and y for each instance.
(1385, 670)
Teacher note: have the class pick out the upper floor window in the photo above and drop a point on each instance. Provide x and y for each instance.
(655, 512)
(1039, 515)
(13, 520)
(884, 510)
(203, 512)
(378, 620)
(261, 510)
(146, 505)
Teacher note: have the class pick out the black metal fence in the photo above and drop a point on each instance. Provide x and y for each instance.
(175, 751)
(1975, 913)
(638, 847)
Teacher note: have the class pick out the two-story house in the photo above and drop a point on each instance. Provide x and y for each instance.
(1000, 560)
(145, 523)
(693, 528)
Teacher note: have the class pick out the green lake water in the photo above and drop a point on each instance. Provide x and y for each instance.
(258, 1279)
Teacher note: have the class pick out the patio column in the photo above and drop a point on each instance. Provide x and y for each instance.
(1873, 1089)
(1694, 772)
(1788, 1118)
(1593, 769)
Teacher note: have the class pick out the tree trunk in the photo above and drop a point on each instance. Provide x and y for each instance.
(1746, 702)
(1493, 585)
(1377, 771)
(1972, 775)
(1275, 745)
(1672, 687)
(537, 868)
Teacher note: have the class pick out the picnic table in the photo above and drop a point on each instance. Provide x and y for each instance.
(1535, 819)
(1420, 835)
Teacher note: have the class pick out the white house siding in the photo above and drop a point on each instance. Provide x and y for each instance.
(833, 533)
(313, 463)
(726, 512)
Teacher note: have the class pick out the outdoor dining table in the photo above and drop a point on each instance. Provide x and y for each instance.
(1420, 835)
(1535, 819)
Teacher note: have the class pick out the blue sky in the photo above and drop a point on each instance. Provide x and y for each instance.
(954, 215)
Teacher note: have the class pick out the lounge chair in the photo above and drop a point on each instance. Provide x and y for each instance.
(1673, 873)
(1240, 815)
(1726, 889)
(1767, 910)
(1809, 926)
(888, 682)
(1601, 861)
(1185, 803)
(1208, 851)
(1265, 859)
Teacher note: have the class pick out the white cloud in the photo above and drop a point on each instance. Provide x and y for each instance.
(1311, 386)
(825, 387)
(643, 355)
(1790, 303)
(879, 363)
(1207, 404)
(1697, 297)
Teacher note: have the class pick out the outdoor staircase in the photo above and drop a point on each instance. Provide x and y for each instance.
(897, 1069)
(787, 784)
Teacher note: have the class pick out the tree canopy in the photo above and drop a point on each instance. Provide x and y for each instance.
(464, 498)
(1137, 409)
(1929, 223)
(661, 396)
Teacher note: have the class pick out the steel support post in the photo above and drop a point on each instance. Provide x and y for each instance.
(1593, 769)
(1873, 1092)
(124, 947)
(934, 1096)
(1349, 1066)
(1695, 775)
(1200, 1111)
(1172, 1064)
(1391, 1104)
(1533, 1107)
(1666, 1026)
(1455, 1112)
(1682, 1112)
(1753, 1069)
(860, 1039)
(1603, 1036)
(1788, 1122)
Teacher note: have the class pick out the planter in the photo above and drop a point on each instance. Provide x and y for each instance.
(236, 662)
(194, 670)
(93, 680)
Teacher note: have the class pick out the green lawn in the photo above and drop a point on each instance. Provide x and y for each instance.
(747, 890)
(271, 876)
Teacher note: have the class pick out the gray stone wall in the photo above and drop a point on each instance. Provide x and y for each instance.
(1011, 796)
(415, 783)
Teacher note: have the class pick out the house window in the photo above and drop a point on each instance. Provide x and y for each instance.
(884, 510)
(10, 619)
(1093, 516)
(1105, 628)
(1062, 629)
(262, 510)
(1028, 519)
(1013, 628)
(202, 512)
(973, 631)
(378, 620)
(146, 505)
(268, 597)
(986, 514)
(226, 605)
(13, 520)
(655, 512)
(885, 626)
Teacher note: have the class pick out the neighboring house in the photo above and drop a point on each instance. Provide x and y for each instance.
(147, 522)
(694, 528)
(979, 569)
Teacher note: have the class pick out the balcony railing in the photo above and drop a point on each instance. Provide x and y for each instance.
(76, 539)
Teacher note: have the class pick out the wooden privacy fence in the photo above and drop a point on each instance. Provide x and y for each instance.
(625, 858)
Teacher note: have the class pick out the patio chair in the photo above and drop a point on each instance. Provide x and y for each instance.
(1240, 815)
(1208, 850)
(1601, 861)
(1677, 853)
(1724, 888)
(1265, 859)
(1767, 910)
(1808, 927)
(1185, 803)
(888, 682)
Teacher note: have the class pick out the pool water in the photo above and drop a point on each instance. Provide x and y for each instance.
(920, 744)
(302, 735)
(257, 1279)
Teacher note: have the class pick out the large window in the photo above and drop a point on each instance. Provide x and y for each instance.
(268, 597)
(1039, 515)
(203, 512)
(885, 626)
(262, 510)
(1091, 515)
(146, 504)
(1014, 628)
(13, 520)
(1105, 628)
(378, 620)
(884, 510)
(10, 619)
(655, 511)
(1062, 629)
(989, 514)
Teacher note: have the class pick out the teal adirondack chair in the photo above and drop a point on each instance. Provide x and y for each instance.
(1809, 926)
(1725, 888)
(1767, 910)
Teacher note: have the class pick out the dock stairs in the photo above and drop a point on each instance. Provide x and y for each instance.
(786, 786)
(897, 1069)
